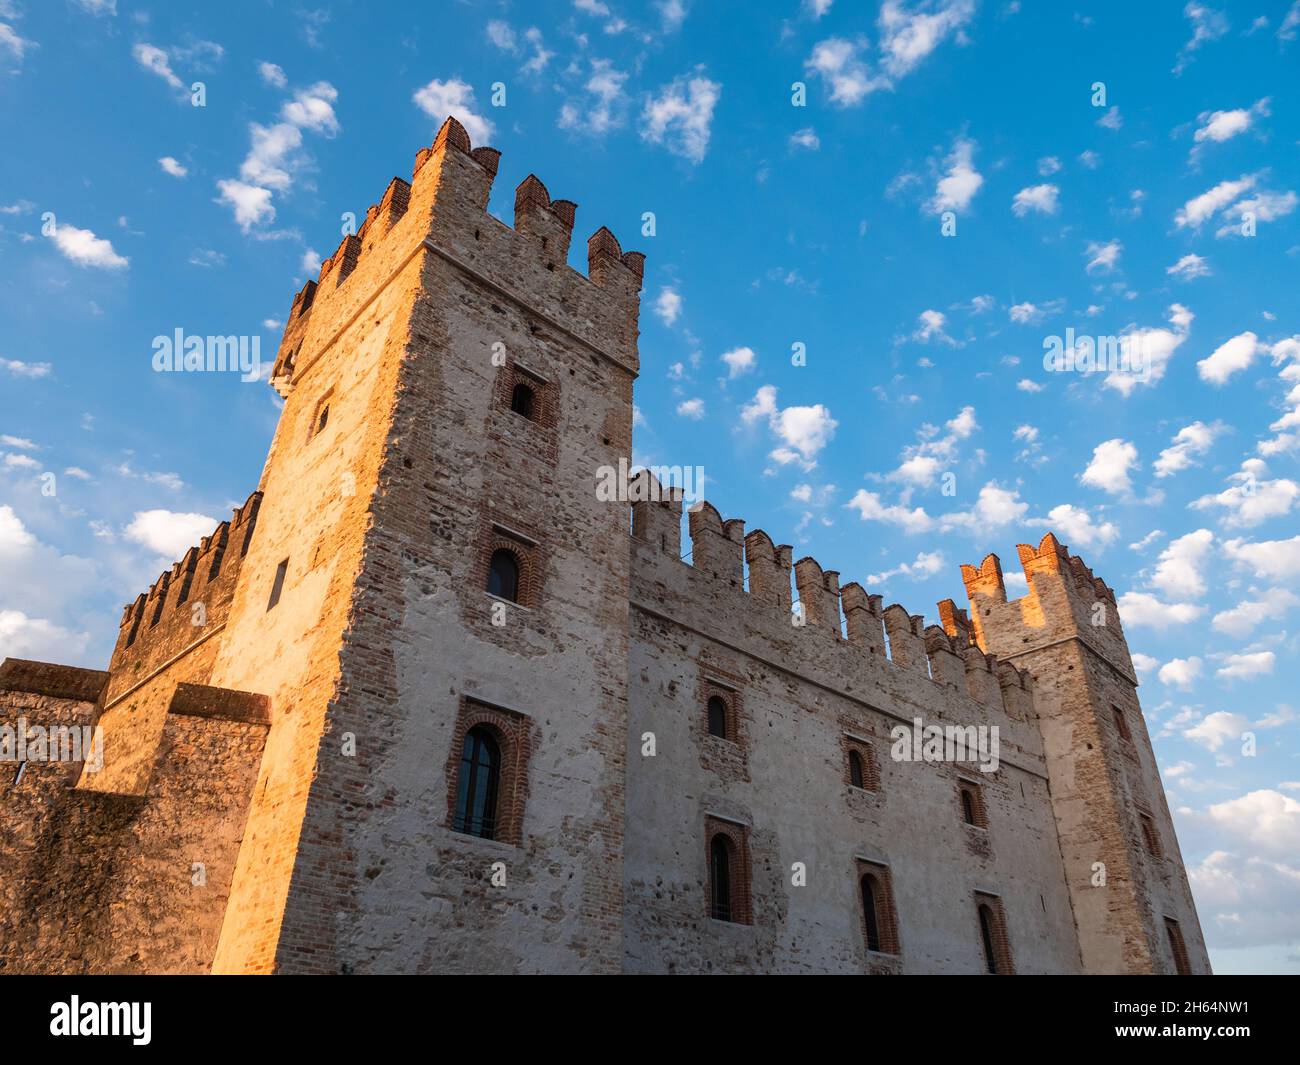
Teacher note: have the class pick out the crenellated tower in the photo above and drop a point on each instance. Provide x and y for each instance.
(1128, 886)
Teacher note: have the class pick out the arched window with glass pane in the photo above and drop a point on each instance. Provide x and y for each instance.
(503, 575)
(718, 716)
(477, 784)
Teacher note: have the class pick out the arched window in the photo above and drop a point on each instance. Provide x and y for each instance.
(720, 878)
(855, 770)
(1182, 965)
(521, 400)
(476, 784)
(871, 911)
(987, 924)
(503, 575)
(968, 806)
(718, 716)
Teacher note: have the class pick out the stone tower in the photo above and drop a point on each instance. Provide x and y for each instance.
(1128, 886)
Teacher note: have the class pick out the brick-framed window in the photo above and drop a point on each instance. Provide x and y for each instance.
(727, 870)
(510, 554)
(1150, 837)
(876, 907)
(720, 707)
(1121, 723)
(970, 798)
(860, 769)
(991, 926)
(1182, 964)
(509, 731)
(527, 395)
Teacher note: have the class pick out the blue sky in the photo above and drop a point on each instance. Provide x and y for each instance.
(1119, 170)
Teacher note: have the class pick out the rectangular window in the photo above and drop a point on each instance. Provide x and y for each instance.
(1182, 966)
(1149, 835)
(1121, 723)
(972, 803)
(876, 898)
(278, 586)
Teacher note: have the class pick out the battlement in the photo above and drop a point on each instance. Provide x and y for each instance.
(187, 600)
(824, 610)
(450, 185)
(1064, 598)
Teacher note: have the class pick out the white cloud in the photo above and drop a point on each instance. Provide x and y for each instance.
(1110, 465)
(930, 325)
(1207, 25)
(1040, 198)
(1241, 620)
(251, 204)
(739, 361)
(1027, 385)
(1252, 499)
(156, 61)
(1229, 358)
(454, 98)
(1112, 119)
(1180, 672)
(172, 167)
(802, 431)
(995, 508)
(926, 564)
(1198, 209)
(1144, 664)
(839, 64)
(1190, 442)
(18, 368)
(1216, 729)
(1150, 349)
(1103, 258)
(1179, 572)
(12, 43)
(680, 117)
(909, 34)
(168, 532)
(1049, 165)
(1246, 666)
(691, 408)
(960, 182)
(502, 35)
(1219, 126)
(1076, 526)
(870, 508)
(1190, 266)
(1264, 206)
(805, 138)
(272, 74)
(668, 305)
(38, 638)
(1142, 608)
(313, 109)
(606, 103)
(82, 247)
(1269, 559)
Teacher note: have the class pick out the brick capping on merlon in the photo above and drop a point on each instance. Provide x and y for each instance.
(546, 221)
(204, 700)
(55, 681)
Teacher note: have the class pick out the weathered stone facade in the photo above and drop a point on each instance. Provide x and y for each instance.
(283, 716)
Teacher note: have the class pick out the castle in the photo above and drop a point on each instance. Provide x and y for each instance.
(427, 704)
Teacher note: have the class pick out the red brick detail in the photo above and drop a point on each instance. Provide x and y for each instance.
(979, 811)
(1150, 837)
(498, 535)
(546, 395)
(867, 753)
(727, 757)
(886, 912)
(1182, 965)
(998, 930)
(513, 734)
(737, 836)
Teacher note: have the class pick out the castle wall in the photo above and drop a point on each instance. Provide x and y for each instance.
(93, 881)
(801, 690)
